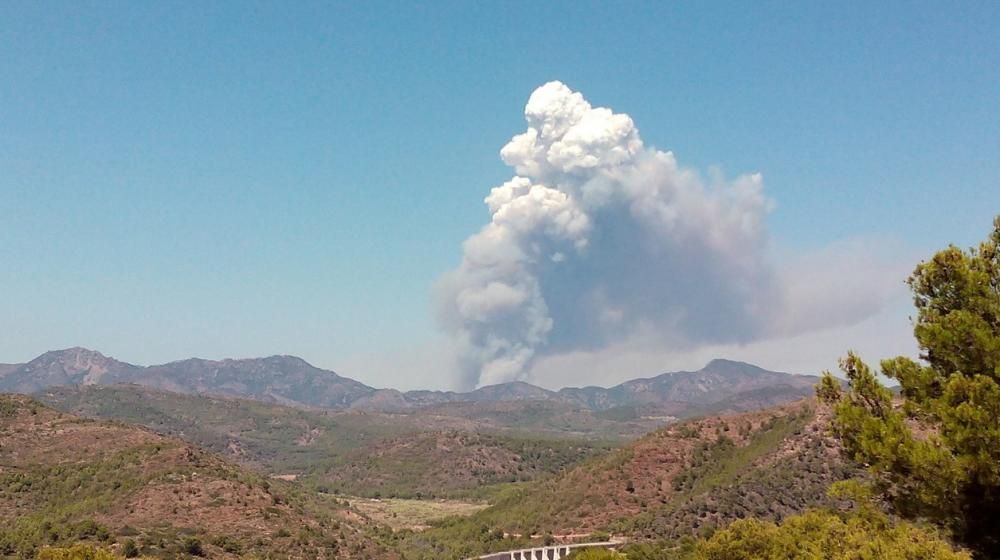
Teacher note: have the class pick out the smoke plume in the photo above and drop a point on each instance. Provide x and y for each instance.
(598, 237)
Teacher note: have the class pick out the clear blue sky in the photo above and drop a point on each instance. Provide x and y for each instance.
(239, 179)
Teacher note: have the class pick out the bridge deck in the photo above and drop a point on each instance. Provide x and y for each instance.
(554, 552)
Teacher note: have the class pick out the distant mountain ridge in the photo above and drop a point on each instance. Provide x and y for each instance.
(290, 380)
(718, 380)
(282, 379)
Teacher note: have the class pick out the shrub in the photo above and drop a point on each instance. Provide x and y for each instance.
(76, 552)
(129, 549)
(193, 547)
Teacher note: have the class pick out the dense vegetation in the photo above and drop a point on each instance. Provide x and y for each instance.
(451, 463)
(826, 535)
(785, 468)
(78, 552)
(936, 456)
(346, 452)
(679, 482)
(814, 535)
(596, 554)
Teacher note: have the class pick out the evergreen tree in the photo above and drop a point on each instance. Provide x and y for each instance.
(819, 535)
(935, 453)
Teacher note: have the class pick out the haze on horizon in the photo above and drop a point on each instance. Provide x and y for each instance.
(246, 180)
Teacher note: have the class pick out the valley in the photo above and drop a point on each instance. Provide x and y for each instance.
(675, 483)
(167, 473)
(348, 452)
(499, 280)
(413, 514)
(440, 477)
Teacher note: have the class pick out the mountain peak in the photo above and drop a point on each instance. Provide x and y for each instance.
(76, 358)
(69, 366)
(74, 351)
(288, 359)
(724, 366)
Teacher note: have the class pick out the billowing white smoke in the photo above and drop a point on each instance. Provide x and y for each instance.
(598, 237)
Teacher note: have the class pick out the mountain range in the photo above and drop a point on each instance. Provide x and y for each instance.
(290, 380)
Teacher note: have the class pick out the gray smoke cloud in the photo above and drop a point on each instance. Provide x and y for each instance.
(598, 237)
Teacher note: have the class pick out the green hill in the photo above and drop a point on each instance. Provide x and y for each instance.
(350, 452)
(65, 479)
(683, 480)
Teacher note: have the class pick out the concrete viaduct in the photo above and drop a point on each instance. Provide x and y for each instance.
(554, 552)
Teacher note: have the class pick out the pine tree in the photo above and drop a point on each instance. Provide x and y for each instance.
(935, 452)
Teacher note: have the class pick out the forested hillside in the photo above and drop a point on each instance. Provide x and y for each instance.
(65, 479)
(349, 452)
(684, 480)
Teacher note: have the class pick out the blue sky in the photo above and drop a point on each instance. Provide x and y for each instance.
(243, 179)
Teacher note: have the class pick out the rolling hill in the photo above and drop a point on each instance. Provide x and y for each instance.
(685, 479)
(65, 479)
(682, 480)
(427, 453)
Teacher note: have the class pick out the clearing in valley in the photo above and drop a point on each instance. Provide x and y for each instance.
(401, 513)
